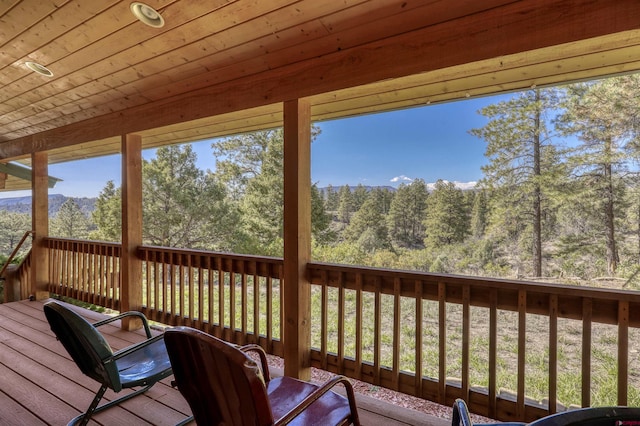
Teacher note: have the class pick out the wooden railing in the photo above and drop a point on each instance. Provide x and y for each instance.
(233, 297)
(15, 251)
(85, 270)
(407, 314)
(484, 340)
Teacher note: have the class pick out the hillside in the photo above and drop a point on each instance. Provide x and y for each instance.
(23, 204)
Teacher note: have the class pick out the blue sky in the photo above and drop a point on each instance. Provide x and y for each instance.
(430, 142)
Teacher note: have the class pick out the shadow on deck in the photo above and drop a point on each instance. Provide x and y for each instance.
(41, 385)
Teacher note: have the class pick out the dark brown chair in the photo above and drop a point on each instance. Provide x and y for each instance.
(224, 385)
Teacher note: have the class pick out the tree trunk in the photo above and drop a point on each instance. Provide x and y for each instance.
(537, 195)
(612, 250)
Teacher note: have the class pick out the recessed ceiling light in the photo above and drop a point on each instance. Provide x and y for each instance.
(147, 15)
(40, 69)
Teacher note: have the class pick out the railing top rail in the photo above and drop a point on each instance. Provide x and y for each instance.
(14, 252)
(387, 277)
(228, 262)
(55, 240)
(243, 257)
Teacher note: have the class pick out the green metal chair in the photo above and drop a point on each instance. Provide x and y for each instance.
(139, 365)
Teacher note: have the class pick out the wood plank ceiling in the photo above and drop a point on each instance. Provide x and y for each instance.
(220, 67)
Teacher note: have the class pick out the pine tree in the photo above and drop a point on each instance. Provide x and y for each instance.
(603, 115)
(261, 193)
(107, 215)
(447, 218)
(182, 206)
(523, 168)
(12, 228)
(331, 198)
(70, 222)
(320, 219)
(479, 214)
(368, 226)
(406, 214)
(345, 204)
(360, 195)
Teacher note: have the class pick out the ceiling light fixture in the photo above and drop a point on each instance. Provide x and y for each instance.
(40, 69)
(147, 15)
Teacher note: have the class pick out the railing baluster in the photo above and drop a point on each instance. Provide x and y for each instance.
(269, 313)
(377, 319)
(493, 352)
(466, 314)
(232, 303)
(65, 269)
(182, 286)
(243, 305)
(442, 343)
(359, 308)
(341, 320)
(586, 351)
(256, 306)
(165, 283)
(553, 353)
(418, 342)
(324, 327)
(157, 284)
(190, 284)
(210, 292)
(395, 369)
(173, 273)
(201, 285)
(623, 351)
(221, 309)
(522, 339)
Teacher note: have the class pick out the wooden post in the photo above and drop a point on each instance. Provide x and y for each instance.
(40, 225)
(297, 238)
(130, 264)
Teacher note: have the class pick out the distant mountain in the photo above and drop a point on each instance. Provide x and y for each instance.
(23, 204)
(323, 190)
(460, 185)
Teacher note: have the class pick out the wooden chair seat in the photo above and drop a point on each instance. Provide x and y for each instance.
(285, 393)
(225, 386)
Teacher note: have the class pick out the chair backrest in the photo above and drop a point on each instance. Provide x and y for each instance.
(84, 343)
(221, 383)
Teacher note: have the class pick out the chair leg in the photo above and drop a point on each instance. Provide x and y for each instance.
(84, 418)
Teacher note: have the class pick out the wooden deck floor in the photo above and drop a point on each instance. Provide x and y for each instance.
(41, 385)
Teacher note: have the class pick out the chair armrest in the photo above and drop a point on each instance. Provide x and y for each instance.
(460, 414)
(136, 346)
(263, 358)
(140, 315)
(315, 395)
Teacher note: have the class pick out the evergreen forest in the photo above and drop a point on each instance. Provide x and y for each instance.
(559, 198)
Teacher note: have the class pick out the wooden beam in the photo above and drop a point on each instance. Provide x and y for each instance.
(130, 265)
(40, 225)
(521, 26)
(297, 238)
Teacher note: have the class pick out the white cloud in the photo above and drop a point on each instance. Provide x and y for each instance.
(401, 178)
(459, 185)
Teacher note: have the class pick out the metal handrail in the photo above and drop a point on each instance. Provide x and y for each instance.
(14, 252)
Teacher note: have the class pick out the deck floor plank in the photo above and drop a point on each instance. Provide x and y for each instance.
(14, 414)
(41, 385)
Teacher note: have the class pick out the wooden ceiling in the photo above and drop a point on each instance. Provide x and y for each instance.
(221, 67)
